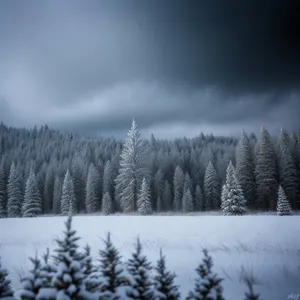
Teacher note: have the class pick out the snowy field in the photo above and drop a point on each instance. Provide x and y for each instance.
(268, 246)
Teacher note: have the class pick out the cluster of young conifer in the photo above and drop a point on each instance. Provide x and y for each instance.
(71, 273)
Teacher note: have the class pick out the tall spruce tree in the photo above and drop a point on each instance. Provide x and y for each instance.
(32, 205)
(92, 199)
(14, 193)
(288, 171)
(233, 201)
(108, 179)
(3, 194)
(178, 182)
(144, 202)
(164, 281)
(5, 283)
(133, 168)
(207, 285)
(283, 205)
(266, 171)
(138, 266)
(68, 199)
(211, 188)
(245, 169)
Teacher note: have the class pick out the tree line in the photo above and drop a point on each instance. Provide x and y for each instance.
(45, 171)
(71, 273)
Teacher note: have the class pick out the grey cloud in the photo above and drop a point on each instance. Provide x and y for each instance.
(93, 65)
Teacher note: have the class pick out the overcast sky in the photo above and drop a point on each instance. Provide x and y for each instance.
(177, 67)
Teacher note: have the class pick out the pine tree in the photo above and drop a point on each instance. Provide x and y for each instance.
(233, 201)
(164, 281)
(187, 184)
(68, 279)
(138, 267)
(108, 181)
(144, 203)
(207, 285)
(211, 188)
(187, 202)
(3, 194)
(199, 204)
(14, 192)
(112, 273)
(107, 205)
(5, 284)
(158, 186)
(178, 183)
(133, 168)
(68, 200)
(167, 197)
(33, 282)
(288, 171)
(283, 205)
(245, 169)
(32, 205)
(265, 171)
(92, 200)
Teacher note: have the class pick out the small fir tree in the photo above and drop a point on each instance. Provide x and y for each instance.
(283, 205)
(139, 267)
(5, 283)
(68, 199)
(233, 201)
(207, 285)
(164, 281)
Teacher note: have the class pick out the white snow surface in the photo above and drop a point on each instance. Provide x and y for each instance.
(267, 246)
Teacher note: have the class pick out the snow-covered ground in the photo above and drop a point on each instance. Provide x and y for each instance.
(269, 246)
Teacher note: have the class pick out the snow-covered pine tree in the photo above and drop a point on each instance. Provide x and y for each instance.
(233, 201)
(164, 281)
(5, 283)
(33, 282)
(199, 204)
(187, 183)
(245, 169)
(178, 182)
(57, 190)
(266, 172)
(211, 188)
(3, 194)
(32, 205)
(283, 205)
(133, 168)
(111, 270)
(288, 171)
(46, 272)
(69, 277)
(108, 179)
(68, 199)
(167, 197)
(187, 202)
(138, 266)
(207, 285)
(92, 199)
(144, 202)
(91, 279)
(14, 193)
(107, 204)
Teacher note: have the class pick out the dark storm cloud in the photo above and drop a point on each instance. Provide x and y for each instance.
(93, 65)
